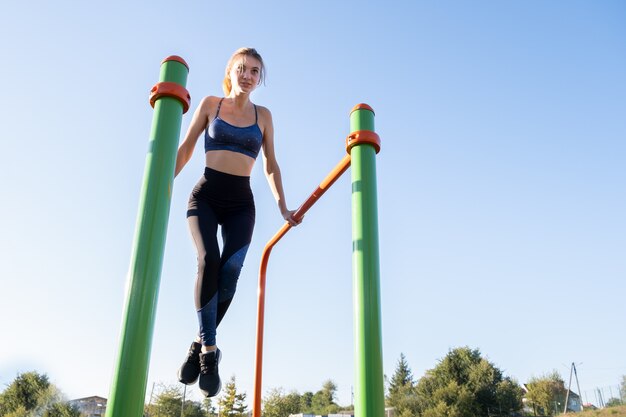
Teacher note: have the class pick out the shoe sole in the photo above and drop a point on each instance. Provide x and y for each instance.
(188, 382)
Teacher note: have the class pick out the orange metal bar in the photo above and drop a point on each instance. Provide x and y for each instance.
(330, 179)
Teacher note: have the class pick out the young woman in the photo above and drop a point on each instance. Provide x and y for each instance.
(235, 129)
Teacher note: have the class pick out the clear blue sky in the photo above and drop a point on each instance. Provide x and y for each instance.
(501, 184)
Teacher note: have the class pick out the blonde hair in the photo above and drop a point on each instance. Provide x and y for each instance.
(227, 84)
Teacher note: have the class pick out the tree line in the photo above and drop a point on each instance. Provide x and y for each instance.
(462, 384)
(169, 403)
(31, 394)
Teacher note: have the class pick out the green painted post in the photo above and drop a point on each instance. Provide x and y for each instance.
(363, 144)
(170, 100)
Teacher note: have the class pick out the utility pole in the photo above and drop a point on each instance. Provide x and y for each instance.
(569, 386)
(572, 370)
(578, 385)
(150, 403)
(601, 400)
(182, 404)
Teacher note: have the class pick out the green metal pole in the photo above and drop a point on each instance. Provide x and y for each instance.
(369, 394)
(128, 388)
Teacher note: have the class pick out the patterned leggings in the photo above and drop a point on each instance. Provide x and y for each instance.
(219, 199)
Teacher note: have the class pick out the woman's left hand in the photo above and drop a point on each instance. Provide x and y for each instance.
(288, 215)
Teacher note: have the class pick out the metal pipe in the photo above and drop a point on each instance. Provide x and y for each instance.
(363, 145)
(170, 100)
(330, 179)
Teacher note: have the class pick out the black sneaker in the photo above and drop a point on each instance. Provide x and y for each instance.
(190, 369)
(210, 384)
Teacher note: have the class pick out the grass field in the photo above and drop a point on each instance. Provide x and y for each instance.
(619, 411)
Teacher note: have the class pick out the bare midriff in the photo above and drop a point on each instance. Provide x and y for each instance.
(233, 163)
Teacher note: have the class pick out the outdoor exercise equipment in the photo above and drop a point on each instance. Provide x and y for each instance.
(170, 100)
(362, 146)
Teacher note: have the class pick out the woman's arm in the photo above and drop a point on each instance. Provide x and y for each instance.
(272, 170)
(198, 124)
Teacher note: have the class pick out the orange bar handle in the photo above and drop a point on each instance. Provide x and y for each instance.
(330, 179)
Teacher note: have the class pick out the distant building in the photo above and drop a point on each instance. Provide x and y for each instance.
(574, 402)
(589, 406)
(91, 406)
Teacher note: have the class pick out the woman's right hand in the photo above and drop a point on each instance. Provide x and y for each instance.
(288, 215)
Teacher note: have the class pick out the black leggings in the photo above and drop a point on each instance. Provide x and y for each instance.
(225, 200)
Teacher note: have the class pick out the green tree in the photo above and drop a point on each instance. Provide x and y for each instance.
(30, 394)
(232, 403)
(277, 404)
(193, 409)
(449, 400)
(546, 394)
(613, 402)
(18, 412)
(401, 378)
(323, 401)
(169, 401)
(509, 396)
(402, 394)
(464, 384)
(62, 409)
(207, 404)
(306, 402)
(26, 393)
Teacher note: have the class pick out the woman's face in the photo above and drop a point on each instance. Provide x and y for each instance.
(245, 74)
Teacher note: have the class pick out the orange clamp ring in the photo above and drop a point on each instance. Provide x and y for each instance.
(169, 89)
(363, 136)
